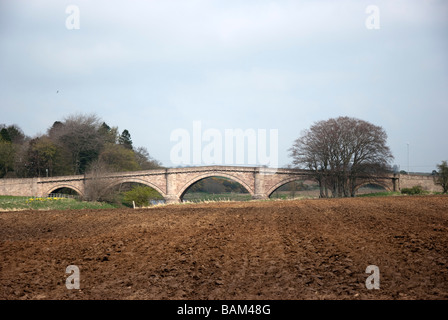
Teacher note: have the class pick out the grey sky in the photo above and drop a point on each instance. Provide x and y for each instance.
(155, 66)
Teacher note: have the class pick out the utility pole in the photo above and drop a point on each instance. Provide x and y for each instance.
(408, 157)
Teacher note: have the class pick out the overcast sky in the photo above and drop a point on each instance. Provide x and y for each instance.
(156, 66)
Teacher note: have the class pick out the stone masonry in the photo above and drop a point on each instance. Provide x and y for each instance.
(172, 183)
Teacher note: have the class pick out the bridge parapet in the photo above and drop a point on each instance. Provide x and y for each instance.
(19, 187)
(425, 181)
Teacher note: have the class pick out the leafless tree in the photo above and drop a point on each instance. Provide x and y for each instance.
(81, 137)
(97, 186)
(145, 161)
(342, 151)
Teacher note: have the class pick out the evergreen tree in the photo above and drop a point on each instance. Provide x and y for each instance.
(6, 157)
(125, 139)
(4, 135)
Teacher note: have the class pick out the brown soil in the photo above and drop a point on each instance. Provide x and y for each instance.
(308, 249)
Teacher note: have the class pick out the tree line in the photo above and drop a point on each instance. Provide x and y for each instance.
(78, 144)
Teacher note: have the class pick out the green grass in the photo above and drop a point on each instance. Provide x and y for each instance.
(397, 193)
(23, 203)
(380, 194)
(203, 196)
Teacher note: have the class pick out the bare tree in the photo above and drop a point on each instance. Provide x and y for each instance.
(341, 152)
(81, 137)
(145, 161)
(97, 186)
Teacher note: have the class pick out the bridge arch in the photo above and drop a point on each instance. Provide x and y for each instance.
(285, 181)
(68, 186)
(136, 180)
(382, 184)
(192, 181)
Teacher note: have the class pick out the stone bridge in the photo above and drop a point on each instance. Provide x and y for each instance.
(172, 183)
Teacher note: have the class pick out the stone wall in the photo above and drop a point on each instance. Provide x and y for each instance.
(425, 181)
(19, 187)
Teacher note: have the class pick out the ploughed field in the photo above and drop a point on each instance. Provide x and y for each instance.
(305, 249)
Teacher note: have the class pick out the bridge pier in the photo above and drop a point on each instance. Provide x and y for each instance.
(259, 186)
(260, 197)
(395, 183)
(171, 188)
(172, 199)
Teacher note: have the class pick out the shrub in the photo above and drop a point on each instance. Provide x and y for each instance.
(412, 191)
(141, 195)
